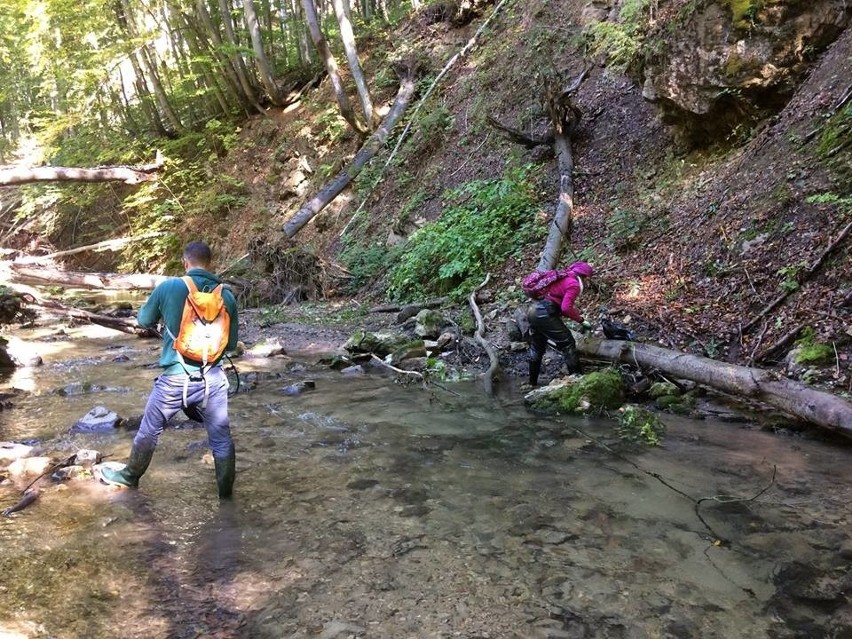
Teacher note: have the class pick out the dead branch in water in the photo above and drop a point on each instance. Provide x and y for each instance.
(488, 375)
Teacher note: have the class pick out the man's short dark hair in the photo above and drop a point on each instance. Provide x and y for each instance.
(197, 253)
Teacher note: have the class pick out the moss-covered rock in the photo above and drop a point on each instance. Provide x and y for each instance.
(677, 404)
(380, 342)
(663, 389)
(593, 393)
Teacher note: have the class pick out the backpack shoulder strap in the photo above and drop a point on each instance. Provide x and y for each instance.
(190, 284)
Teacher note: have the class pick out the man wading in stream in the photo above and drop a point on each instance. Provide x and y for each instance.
(199, 326)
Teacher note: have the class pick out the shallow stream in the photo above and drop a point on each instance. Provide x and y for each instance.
(367, 509)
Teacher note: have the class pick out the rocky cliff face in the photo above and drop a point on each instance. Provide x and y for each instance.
(715, 65)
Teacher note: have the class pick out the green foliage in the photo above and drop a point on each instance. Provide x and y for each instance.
(271, 315)
(619, 42)
(369, 177)
(431, 128)
(845, 202)
(834, 146)
(790, 276)
(366, 262)
(743, 12)
(484, 222)
(332, 125)
(640, 426)
(623, 228)
(467, 322)
(438, 370)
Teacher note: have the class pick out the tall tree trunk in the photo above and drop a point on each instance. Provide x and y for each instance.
(241, 90)
(341, 10)
(331, 66)
(304, 42)
(146, 101)
(263, 68)
(143, 57)
(202, 67)
(236, 57)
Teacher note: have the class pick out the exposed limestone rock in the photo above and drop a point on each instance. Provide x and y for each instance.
(730, 62)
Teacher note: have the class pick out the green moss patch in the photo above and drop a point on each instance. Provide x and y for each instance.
(815, 354)
(596, 392)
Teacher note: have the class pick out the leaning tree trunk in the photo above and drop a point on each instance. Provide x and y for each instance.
(331, 66)
(564, 117)
(124, 325)
(372, 146)
(796, 399)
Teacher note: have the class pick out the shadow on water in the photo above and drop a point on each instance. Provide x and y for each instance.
(365, 509)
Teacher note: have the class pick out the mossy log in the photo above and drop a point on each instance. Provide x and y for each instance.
(793, 398)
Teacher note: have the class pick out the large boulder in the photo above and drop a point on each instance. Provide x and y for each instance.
(713, 65)
(429, 323)
(379, 342)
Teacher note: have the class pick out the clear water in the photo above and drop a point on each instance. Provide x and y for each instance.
(370, 509)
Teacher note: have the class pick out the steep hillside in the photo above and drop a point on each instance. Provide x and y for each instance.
(693, 235)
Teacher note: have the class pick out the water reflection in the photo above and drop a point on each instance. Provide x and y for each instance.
(366, 509)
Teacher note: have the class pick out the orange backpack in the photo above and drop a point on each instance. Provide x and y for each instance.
(205, 325)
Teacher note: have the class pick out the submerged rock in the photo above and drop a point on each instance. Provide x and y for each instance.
(10, 451)
(97, 420)
(71, 473)
(30, 466)
(299, 387)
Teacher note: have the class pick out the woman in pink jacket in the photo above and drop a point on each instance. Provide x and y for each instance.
(546, 323)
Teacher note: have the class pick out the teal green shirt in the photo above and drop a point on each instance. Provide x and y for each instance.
(166, 304)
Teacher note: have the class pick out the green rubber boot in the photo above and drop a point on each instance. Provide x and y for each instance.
(226, 472)
(137, 464)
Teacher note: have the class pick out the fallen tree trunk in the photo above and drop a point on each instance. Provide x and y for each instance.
(122, 324)
(106, 245)
(126, 174)
(793, 398)
(564, 117)
(47, 275)
(364, 155)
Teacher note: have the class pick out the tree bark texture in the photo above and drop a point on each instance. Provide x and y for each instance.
(348, 38)
(263, 67)
(331, 66)
(370, 148)
(564, 117)
(494, 364)
(41, 276)
(126, 174)
(793, 398)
